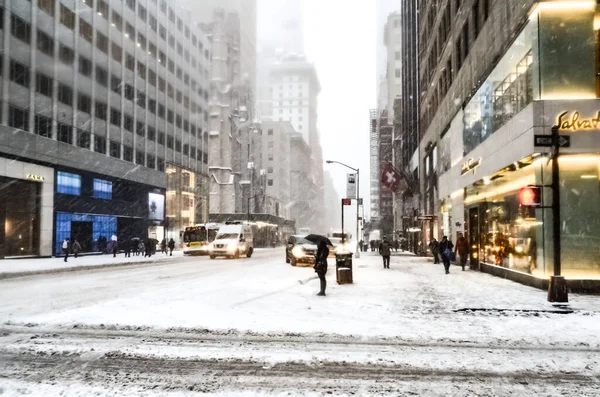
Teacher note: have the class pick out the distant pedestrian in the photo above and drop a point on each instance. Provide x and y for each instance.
(446, 251)
(163, 246)
(65, 248)
(385, 250)
(115, 247)
(148, 248)
(171, 246)
(434, 246)
(462, 248)
(321, 265)
(141, 248)
(372, 244)
(76, 247)
(126, 246)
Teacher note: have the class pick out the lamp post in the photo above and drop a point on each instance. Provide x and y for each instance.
(357, 200)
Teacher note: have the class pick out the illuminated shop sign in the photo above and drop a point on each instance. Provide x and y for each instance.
(156, 207)
(470, 165)
(35, 178)
(572, 121)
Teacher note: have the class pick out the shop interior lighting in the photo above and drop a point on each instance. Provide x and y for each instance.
(561, 6)
(589, 176)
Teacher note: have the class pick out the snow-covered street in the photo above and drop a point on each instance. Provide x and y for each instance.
(256, 326)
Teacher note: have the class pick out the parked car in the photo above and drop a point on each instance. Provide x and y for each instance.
(300, 250)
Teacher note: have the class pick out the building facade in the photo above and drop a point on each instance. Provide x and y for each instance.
(106, 97)
(481, 152)
(392, 36)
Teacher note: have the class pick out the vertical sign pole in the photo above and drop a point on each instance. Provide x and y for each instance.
(357, 255)
(342, 221)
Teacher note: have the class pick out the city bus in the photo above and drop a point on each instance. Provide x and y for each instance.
(197, 238)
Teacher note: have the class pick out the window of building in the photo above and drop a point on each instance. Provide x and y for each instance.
(142, 13)
(19, 73)
(47, 6)
(115, 149)
(270, 182)
(117, 52)
(115, 117)
(66, 55)
(43, 126)
(115, 84)
(129, 31)
(161, 111)
(178, 146)
(130, 62)
(67, 183)
(101, 110)
(83, 139)
(186, 149)
(160, 164)
(270, 170)
(85, 30)
(152, 50)
(170, 142)
(141, 99)
(65, 94)
(140, 129)
(64, 133)
(128, 122)
(99, 144)
(151, 133)
(84, 103)
(128, 153)
(397, 73)
(152, 77)
(140, 157)
(102, 42)
(102, 189)
(162, 32)
(85, 66)
(161, 138)
(141, 70)
(152, 22)
(129, 92)
(270, 156)
(67, 17)
(130, 4)
(20, 29)
(150, 161)
(45, 43)
(117, 21)
(152, 105)
(102, 8)
(102, 76)
(141, 41)
(18, 118)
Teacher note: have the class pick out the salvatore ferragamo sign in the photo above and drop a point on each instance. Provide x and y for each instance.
(572, 121)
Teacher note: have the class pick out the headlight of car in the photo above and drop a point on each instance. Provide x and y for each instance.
(297, 251)
(232, 247)
(211, 246)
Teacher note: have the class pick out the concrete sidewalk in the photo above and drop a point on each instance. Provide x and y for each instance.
(10, 268)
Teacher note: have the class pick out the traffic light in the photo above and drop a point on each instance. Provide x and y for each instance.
(530, 196)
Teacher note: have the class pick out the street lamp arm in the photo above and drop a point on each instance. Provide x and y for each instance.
(345, 165)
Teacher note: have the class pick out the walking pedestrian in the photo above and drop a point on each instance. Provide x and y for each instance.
(163, 246)
(76, 247)
(126, 245)
(115, 247)
(446, 250)
(171, 246)
(148, 248)
(141, 248)
(65, 248)
(385, 250)
(321, 265)
(434, 246)
(462, 248)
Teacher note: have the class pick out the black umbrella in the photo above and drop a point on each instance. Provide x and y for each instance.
(317, 238)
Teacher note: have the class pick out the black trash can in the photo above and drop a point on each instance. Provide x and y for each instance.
(343, 267)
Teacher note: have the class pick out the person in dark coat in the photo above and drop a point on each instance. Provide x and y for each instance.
(114, 248)
(126, 246)
(385, 250)
(434, 246)
(76, 248)
(163, 246)
(171, 246)
(446, 251)
(321, 265)
(462, 248)
(148, 248)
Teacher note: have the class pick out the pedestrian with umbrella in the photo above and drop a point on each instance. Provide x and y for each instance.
(323, 244)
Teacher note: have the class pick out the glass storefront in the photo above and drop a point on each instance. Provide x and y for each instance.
(20, 208)
(91, 231)
(580, 215)
(503, 232)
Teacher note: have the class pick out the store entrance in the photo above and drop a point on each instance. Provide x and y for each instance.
(475, 230)
(83, 232)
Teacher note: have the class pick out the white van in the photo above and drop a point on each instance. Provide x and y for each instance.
(232, 240)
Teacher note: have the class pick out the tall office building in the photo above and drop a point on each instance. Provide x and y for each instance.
(96, 104)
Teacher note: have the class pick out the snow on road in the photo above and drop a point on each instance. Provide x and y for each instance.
(256, 325)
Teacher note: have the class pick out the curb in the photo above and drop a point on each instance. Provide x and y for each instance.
(6, 276)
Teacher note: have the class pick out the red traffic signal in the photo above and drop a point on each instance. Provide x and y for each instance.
(530, 196)
(346, 201)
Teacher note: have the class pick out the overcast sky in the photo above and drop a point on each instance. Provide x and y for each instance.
(340, 38)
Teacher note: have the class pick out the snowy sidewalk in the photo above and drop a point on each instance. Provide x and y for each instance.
(22, 267)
